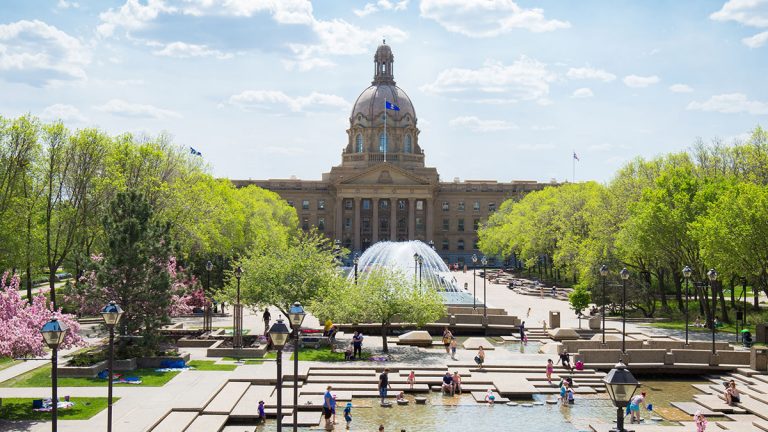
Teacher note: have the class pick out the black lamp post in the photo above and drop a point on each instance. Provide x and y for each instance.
(474, 281)
(624, 276)
(484, 262)
(278, 333)
(604, 275)
(621, 386)
(687, 272)
(237, 336)
(207, 318)
(355, 261)
(421, 262)
(712, 275)
(415, 267)
(744, 317)
(111, 315)
(54, 333)
(297, 314)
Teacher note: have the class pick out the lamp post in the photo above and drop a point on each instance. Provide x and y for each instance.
(296, 315)
(53, 334)
(237, 336)
(278, 333)
(624, 276)
(355, 261)
(111, 315)
(744, 317)
(474, 281)
(415, 267)
(484, 262)
(621, 385)
(687, 272)
(207, 318)
(604, 275)
(421, 262)
(712, 275)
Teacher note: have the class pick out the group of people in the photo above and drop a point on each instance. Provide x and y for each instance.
(329, 410)
(355, 348)
(451, 383)
(450, 343)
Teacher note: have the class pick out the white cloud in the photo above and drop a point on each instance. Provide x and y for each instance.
(582, 93)
(478, 125)
(541, 128)
(487, 18)
(131, 16)
(63, 112)
(275, 99)
(640, 81)
(756, 41)
(525, 79)
(590, 73)
(381, 5)
(753, 13)
(730, 103)
(680, 88)
(185, 50)
(64, 4)
(122, 108)
(282, 11)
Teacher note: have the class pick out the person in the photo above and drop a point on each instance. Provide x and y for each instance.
(732, 394)
(571, 395)
(456, 382)
(384, 385)
(565, 358)
(447, 335)
(447, 386)
(266, 316)
(541, 290)
(223, 306)
(411, 379)
(348, 414)
(332, 334)
(700, 421)
(327, 327)
(357, 344)
(544, 324)
(327, 401)
(401, 396)
(348, 352)
(381, 428)
(697, 322)
(480, 357)
(453, 348)
(262, 413)
(554, 290)
(333, 409)
(563, 392)
(523, 338)
(550, 369)
(528, 314)
(634, 407)
(215, 307)
(490, 397)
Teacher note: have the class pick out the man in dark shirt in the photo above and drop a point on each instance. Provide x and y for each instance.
(384, 385)
(266, 318)
(448, 383)
(566, 359)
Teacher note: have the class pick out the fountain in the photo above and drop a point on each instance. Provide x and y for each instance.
(400, 256)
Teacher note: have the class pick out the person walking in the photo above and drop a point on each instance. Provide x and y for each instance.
(447, 335)
(523, 337)
(700, 421)
(453, 348)
(550, 369)
(480, 357)
(348, 414)
(327, 408)
(384, 385)
(411, 379)
(357, 345)
(266, 316)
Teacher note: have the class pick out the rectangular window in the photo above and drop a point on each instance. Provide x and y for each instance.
(347, 223)
(348, 204)
(401, 204)
(419, 223)
(321, 204)
(461, 225)
(383, 225)
(474, 245)
(491, 207)
(401, 224)
(446, 206)
(384, 204)
(460, 206)
(476, 207)
(366, 204)
(305, 205)
(321, 224)
(366, 224)
(419, 205)
(446, 244)
(460, 245)
(446, 224)
(305, 224)
(475, 224)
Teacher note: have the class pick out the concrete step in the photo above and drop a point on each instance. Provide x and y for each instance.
(248, 405)
(307, 419)
(175, 421)
(208, 423)
(227, 398)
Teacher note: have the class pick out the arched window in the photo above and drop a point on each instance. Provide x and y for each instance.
(359, 143)
(383, 141)
(408, 144)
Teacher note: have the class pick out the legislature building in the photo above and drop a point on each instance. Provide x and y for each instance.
(382, 190)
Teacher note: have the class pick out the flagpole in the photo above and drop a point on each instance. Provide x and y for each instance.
(385, 130)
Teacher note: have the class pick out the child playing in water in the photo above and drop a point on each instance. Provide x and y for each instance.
(262, 414)
(489, 397)
(453, 348)
(348, 414)
(411, 379)
(563, 391)
(700, 421)
(401, 396)
(550, 369)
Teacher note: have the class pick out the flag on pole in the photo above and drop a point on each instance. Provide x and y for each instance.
(390, 106)
(575, 157)
(194, 152)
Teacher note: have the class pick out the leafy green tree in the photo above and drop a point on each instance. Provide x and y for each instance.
(579, 299)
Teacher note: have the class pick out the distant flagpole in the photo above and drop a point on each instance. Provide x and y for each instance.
(385, 130)
(574, 159)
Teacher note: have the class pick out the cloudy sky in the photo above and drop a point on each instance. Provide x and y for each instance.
(503, 90)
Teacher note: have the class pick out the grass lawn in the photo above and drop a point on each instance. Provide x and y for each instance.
(41, 377)
(210, 365)
(6, 362)
(680, 325)
(250, 361)
(21, 409)
(324, 354)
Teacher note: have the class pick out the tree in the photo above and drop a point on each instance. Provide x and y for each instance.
(579, 299)
(380, 296)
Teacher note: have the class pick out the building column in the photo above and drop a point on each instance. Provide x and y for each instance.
(375, 221)
(356, 225)
(338, 220)
(429, 234)
(393, 219)
(411, 218)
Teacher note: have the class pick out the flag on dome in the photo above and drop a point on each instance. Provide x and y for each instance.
(576, 157)
(390, 106)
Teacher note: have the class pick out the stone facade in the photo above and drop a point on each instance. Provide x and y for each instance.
(383, 191)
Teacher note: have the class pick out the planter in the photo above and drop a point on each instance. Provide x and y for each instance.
(195, 343)
(216, 350)
(155, 362)
(124, 365)
(82, 371)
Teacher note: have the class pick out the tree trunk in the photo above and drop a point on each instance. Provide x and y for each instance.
(52, 285)
(678, 283)
(663, 290)
(384, 331)
(722, 301)
(29, 281)
(733, 291)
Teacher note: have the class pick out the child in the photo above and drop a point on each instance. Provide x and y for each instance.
(700, 421)
(348, 352)
(262, 414)
(456, 382)
(333, 409)
(453, 348)
(550, 369)
(348, 414)
(489, 397)
(411, 379)
(401, 396)
(570, 393)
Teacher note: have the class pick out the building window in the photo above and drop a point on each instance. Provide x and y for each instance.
(446, 244)
(461, 225)
(359, 143)
(305, 224)
(305, 205)
(446, 224)
(401, 224)
(420, 205)
(419, 223)
(475, 224)
(383, 204)
(475, 245)
(384, 225)
(366, 204)
(321, 224)
(366, 224)
(460, 245)
(347, 223)
(383, 141)
(348, 243)
(446, 206)
(321, 204)
(291, 203)
(408, 144)
(460, 206)
(401, 204)
(476, 207)
(492, 207)
(348, 204)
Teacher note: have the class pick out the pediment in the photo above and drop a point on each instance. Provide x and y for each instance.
(385, 174)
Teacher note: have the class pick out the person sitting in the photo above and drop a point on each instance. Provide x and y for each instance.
(348, 352)
(490, 397)
(747, 339)
(401, 396)
(565, 358)
(732, 395)
(447, 386)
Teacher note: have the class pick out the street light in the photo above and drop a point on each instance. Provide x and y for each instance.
(296, 314)
(355, 261)
(278, 333)
(604, 274)
(484, 262)
(111, 315)
(237, 336)
(621, 385)
(415, 267)
(54, 333)
(474, 282)
(624, 276)
(687, 272)
(207, 317)
(421, 262)
(712, 275)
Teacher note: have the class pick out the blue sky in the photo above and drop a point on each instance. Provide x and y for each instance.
(503, 90)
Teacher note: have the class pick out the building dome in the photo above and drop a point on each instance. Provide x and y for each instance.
(370, 103)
